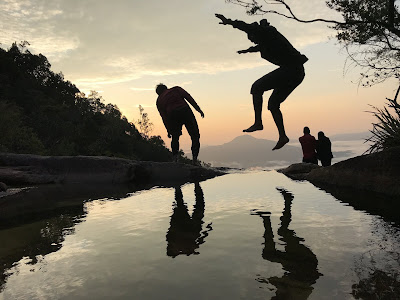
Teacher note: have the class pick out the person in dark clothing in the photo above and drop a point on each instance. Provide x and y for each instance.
(175, 112)
(308, 145)
(324, 149)
(275, 48)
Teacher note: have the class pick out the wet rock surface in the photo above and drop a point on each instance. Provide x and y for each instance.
(26, 169)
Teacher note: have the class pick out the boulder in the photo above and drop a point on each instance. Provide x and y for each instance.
(299, 171)
(377, 172)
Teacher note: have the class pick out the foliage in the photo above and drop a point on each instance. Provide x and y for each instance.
(42, 113)
(145, 126)
(369, 31)
(386, 132)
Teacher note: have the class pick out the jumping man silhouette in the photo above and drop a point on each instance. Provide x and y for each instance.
(275, 48)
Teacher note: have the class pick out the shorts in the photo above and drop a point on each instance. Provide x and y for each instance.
(282, 80)
(180, 117)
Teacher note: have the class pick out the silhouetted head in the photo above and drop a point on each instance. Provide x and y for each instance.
(160, 88)
(321, 135)
(306, 130)
(264, 22)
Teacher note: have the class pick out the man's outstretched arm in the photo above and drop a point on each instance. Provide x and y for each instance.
(190, 99)
(234, 23)
(164, 118)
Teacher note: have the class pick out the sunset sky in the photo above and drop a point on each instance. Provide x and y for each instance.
(123, 48)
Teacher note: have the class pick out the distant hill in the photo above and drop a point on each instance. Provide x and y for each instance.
(350, 136)
(246, 152)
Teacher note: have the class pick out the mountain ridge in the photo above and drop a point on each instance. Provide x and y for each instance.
(246, 151)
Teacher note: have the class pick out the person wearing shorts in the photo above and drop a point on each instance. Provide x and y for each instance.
(175, 112)
(275, 48)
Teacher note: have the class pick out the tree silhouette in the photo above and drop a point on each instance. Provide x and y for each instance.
(42, 113)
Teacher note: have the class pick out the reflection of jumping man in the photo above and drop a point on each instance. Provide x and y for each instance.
(185, 234)
(275, 48)
(298, 261)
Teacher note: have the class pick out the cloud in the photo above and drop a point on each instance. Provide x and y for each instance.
(101, 42)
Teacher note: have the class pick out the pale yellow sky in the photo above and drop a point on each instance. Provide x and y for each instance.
(123, 48)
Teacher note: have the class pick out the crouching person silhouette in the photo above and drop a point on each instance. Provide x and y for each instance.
(175, 112)
(275, 48)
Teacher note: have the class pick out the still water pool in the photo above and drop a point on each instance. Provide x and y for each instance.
(249, 235)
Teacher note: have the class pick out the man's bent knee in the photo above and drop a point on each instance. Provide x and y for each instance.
(272, 107)
(256, 91)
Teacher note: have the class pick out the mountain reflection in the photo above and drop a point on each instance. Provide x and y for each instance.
(298, 261)
(185, 233)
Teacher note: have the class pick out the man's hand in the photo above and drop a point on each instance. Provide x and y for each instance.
(201, 113)
(224, 20)
(242, 51)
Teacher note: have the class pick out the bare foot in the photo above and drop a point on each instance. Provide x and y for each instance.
(254, 127)
(282, 142)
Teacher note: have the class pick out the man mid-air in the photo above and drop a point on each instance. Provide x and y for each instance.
(275, 48)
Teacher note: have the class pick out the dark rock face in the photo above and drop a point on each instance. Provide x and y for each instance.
(24, 169)
(377, 172)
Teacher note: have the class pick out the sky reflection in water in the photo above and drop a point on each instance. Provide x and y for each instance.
(251, 235)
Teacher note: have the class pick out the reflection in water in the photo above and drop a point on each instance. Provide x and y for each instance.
(185, 234)
(35, 240)
(34, 223)
(374, 203)
(298, 261)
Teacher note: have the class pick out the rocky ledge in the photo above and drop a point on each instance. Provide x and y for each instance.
(26, 169)
(377, 172)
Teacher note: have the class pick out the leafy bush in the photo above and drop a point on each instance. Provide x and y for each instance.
(386, 132)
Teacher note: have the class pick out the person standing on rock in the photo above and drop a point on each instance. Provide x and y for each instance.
(172, 104)
(324, 149)
(275, 48)
(308, 145)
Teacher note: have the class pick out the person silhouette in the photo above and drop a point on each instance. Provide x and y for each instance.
(324, 149)
(276, 49)
(308, 145)
(185, 233)
(175, 112)
(298, 261)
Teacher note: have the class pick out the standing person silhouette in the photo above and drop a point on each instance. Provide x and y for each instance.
(276, 49)
(175, 112)
(324, 149)
(308, 145)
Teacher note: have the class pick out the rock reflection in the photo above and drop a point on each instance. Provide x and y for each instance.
(185, 233)
(298, 261)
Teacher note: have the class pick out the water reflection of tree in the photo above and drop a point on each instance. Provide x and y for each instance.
(35, 240)
(298, 261)
(185, 233)
(34, 223)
